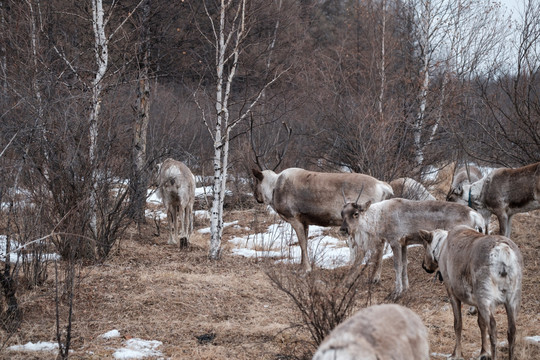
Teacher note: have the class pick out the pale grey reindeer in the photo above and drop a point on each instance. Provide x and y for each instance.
(304, 198)
(408, 188)
(466, 175)
(176, 188)
(480, 270)
(386, 331)
(371, 225)
(504, 192)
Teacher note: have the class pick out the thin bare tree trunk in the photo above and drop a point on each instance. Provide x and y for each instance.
(139, 173)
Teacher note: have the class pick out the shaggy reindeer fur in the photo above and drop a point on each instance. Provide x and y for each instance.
(481, 270)
(386, 331)
(466, 175)
(176, 188)
(392, 220)
(504, 192)
(304, 198)
(411, 189)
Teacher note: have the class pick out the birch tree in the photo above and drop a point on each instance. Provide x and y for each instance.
(454, 39)
(229, 33)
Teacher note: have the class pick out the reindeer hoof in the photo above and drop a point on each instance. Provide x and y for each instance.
(484, 357)
(376, 280)
(394, 296)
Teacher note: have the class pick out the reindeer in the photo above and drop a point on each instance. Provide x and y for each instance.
(504, 192)
(387, 331)
(176, 188)
(480, 270)
(411, 189)
(467, 175)
(304, 198)
(391, 221)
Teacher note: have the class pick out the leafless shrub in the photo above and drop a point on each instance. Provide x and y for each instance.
(324, 298)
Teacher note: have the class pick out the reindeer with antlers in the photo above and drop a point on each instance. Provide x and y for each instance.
(394, 221)
(304, 198)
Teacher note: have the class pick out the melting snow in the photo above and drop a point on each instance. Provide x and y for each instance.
(138, 349)
(39, 346)
(111, 334)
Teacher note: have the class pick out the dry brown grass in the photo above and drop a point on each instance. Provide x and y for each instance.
(154, 291)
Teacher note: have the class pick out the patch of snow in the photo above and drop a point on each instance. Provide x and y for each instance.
(207, 190)
(152, 196)
(280, 241)
(111, 334)
(202, 214)
(39, 346)
(138, 349)
(441, 355)
(532, 339)
(207, 230)
(158, 214)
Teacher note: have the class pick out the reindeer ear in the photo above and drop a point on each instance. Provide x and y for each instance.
(426, 236)
(366, 205)
(459, 190)
(258, 174)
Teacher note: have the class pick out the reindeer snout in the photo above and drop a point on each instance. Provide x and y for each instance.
(429, 271)
(344, 230)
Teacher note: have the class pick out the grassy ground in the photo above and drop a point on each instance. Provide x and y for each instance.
(154, 291)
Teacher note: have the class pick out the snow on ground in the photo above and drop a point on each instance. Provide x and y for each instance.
(280, 241)
(31, 347)
(138, 349)
(133, 348)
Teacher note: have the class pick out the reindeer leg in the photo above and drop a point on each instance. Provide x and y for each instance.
(398, 267)
(302, 234)
(456, 307)
(183, 223)
(503, 223)
(171, 220)
(377, 270)
(511, 313)
(492, 335)
(405, 277)
(483, 323)
(509, 226)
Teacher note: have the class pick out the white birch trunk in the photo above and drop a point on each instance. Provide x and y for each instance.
(223, 126)
(418, 127)
(101, 53)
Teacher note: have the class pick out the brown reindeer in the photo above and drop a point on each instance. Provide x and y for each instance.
(480, 270)
(387, 331)
(304, 198)
(391, 221)
(504, 192)
(176, 188)
(411, 189)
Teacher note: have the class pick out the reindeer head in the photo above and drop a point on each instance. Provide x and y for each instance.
(351, 214)
(432, 242)
(257, 191)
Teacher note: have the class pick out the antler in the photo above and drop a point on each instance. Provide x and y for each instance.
(281, 155)
(358, 198)
(343, 193)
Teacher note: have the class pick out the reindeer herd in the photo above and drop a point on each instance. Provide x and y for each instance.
(477, 268)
